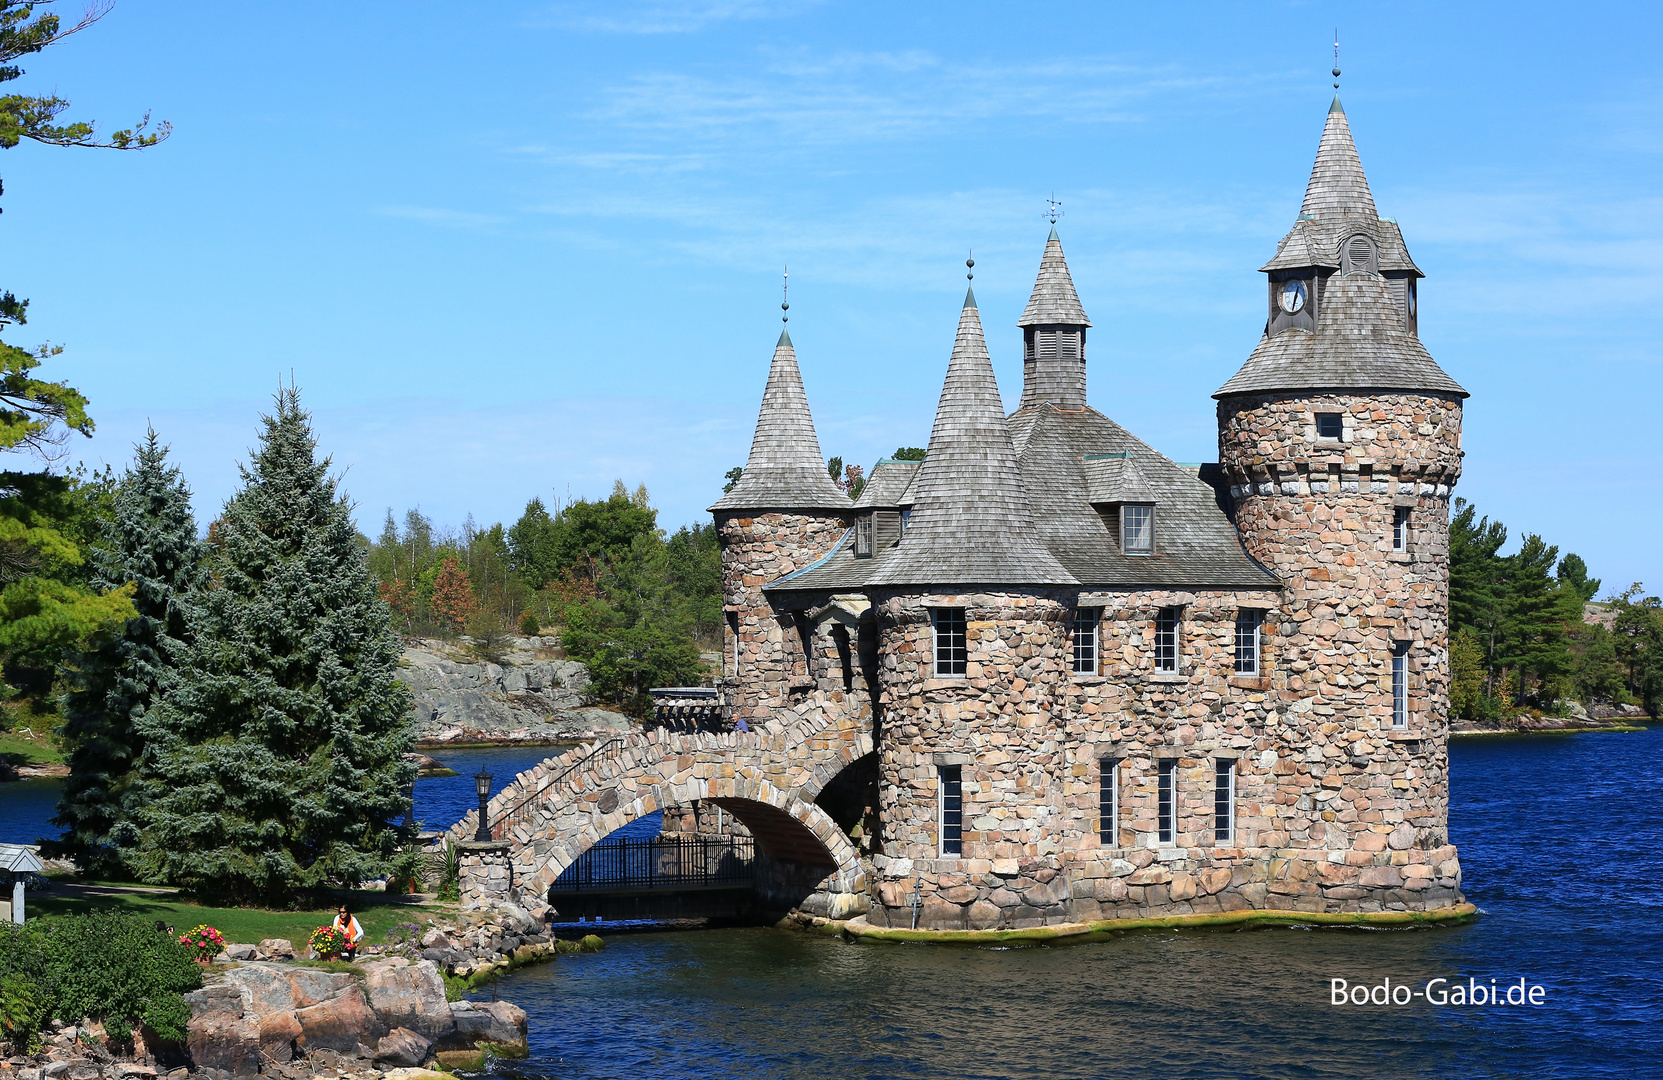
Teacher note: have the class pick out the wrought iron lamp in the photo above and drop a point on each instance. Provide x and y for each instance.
(482, 784)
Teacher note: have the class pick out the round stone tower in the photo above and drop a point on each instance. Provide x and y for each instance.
(1341, 441)
(783, 514)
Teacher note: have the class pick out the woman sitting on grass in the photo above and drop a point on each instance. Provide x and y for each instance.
(348, 926)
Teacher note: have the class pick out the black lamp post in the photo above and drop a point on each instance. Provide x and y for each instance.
(482, 784)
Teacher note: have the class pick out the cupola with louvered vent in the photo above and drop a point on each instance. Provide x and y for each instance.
(1054, 336)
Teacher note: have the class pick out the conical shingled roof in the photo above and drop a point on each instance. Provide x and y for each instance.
(970, 521)
(1361, 338)
(1338, 186)
(1053, 301)
(1360, 343)
(785, 470)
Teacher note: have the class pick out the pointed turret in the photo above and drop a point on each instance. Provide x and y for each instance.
(1338, 186)
(785, 470)
(970, 521)
(1053, 336)
(1343, 291)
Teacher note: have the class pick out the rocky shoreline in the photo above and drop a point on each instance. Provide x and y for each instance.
(263, 1012)
(534, 696)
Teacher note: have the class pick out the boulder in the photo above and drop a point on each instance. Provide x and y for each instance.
(402, 1047)
(241, 952)
(518, 919)
(278, 1032)
(339, 1024)
(270, 988)
(218, 1036)
(494, 1021)
(435, 938)
(276, 948)
(411, 997)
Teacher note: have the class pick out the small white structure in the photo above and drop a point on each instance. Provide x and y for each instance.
(17, 860)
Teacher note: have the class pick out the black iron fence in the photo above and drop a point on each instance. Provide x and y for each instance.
(661, 863)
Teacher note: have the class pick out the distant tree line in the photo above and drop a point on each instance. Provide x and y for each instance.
(634, 604)
(1518, 634)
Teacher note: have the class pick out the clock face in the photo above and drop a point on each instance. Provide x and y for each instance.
(1293, 297)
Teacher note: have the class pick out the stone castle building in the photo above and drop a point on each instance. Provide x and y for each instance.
(1101, 684)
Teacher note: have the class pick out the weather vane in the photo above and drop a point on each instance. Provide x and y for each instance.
(785, 295)
(970, 264)
(1336, 58)
(1053, 209)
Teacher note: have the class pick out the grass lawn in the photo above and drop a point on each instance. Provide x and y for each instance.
(375, 913)
(18, 749)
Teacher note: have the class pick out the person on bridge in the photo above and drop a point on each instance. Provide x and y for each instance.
(346, 924)
(740, 725)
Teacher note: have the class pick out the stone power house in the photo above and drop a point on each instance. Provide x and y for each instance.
(1102, 684)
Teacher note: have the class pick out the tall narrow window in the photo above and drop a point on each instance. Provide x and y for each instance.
(1083, 630)
(1167, 802)
(1108, 802)
(1137, 529)
(1330, 425)
(863, 536)
(950, 781)
(1400, 684)
(1166, 639)
(1400, 528)
(951, 655)
(1248, 621)
(1224, 801)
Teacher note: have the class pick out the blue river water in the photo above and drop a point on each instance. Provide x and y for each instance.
(1561, 841)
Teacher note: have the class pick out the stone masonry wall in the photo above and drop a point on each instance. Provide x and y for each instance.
(1325, 820)
(763, 658)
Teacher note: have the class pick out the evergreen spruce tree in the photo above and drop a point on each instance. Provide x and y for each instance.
(275, 762)
(149, 541)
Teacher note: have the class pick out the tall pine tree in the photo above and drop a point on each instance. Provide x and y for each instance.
(149, 541)
(275, 763)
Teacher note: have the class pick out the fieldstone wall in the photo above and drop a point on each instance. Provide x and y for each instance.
(1327, 817)
(764, 659)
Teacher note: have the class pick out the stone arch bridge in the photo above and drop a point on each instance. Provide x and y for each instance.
(768, 779)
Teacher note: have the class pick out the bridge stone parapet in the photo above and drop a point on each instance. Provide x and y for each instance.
(768, 779)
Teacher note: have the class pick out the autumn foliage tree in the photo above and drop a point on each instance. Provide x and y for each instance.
(453, 599)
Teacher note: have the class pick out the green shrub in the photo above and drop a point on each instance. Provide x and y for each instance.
(529, 626)
(103, 965)
(20, 1011)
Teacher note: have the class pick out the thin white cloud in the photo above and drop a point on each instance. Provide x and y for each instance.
(662, 16)
(450, 219)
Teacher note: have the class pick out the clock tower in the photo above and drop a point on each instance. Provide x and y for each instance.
(1340, 438)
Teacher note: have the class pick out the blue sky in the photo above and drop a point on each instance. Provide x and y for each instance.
(522, 248)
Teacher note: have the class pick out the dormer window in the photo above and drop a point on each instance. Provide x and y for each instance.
(1358, 254)
(863, 536)
(1137, 528)
(1330, 425)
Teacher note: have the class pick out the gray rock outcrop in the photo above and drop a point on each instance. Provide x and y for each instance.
(532, 696)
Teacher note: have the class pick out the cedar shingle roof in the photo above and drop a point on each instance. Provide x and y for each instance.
(970, 522)
(1360, 343)
(785, 470)
(1361, 340)
(1059, 453)
(1053, 301)
(887, 484)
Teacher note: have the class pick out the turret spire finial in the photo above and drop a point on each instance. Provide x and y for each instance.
(1336, 58)
(1053, 209)
(970, 265)
(785, 295)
